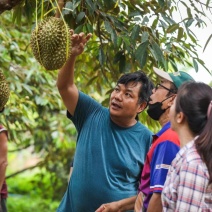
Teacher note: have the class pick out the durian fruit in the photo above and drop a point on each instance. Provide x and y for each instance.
(51, 43)
(4, 91)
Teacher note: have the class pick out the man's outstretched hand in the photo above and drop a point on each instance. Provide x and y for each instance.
(78, 42)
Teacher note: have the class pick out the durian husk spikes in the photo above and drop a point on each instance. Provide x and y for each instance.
(51, 43)
(4, 91)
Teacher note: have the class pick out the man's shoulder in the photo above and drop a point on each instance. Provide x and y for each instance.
(169, 135)
(144, 128)
(167, 138)
(2, 128)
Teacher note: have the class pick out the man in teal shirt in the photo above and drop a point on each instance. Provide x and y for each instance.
(111, 143)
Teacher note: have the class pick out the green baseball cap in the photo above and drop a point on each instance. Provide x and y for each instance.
(178, 78)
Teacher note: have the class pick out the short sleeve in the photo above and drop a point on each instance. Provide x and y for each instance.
(163, 155)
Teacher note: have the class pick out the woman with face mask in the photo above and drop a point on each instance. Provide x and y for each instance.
(188, 185)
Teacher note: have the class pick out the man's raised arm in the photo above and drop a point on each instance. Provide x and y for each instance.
(65, 81)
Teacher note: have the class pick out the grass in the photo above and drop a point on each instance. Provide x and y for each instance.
(23, 203)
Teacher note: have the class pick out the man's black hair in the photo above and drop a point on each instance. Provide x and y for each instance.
(139, 77)
(146, 85)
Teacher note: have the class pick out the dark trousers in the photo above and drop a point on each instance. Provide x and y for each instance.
(3, 206)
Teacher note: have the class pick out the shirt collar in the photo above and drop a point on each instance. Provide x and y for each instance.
(164, 128)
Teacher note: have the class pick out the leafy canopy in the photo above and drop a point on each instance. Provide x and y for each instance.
(128, 35)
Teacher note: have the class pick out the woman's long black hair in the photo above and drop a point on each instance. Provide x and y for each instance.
(193, 100)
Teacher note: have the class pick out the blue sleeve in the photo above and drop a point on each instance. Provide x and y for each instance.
(163, 155)
(85, 107)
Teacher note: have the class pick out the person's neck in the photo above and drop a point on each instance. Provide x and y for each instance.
(164, 118)
(185, 136)
(123, 122)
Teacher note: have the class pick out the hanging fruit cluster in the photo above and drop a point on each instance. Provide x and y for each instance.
(4, 91)
(51, 43)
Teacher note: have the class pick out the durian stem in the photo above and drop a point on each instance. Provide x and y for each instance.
(60, 4)
(36, 14)
(53, 8)
(36, 28)
(49, 11)
(42, 10)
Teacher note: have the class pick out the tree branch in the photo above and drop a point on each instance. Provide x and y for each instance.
(19, 149)
(8, 4)
(23, 170)
(61, 4)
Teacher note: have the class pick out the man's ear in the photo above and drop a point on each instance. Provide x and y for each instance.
(171, 101)
(142, 106)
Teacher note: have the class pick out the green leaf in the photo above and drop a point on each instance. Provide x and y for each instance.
(141, 53)
(108, 27)
(191, 36)
(189, 22)
(109, 4)
(158, 53)
(119, 42)
(17, 15)
(168, 19)
(164, 25)
(76, 4)
(135, 32)
(28, 88)
(29, 9)
(144, 37)
(101, 56)
(114, 37)
(91, 6)
(154, 23)
(189, 12)
(135, 13)
(117, 57)
(80, 16)
(145, 20)
(89, 28)
(207, 42)
(126, 41)
(180, 33)
(90, 82)
(68, 8)
(79, 29)
(172, 28)
(203, 64)
(195, 65)
(161, 3)
(207, 4)
(174, 65)
(122, 64)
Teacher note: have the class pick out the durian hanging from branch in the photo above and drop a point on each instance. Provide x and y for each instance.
(51, 41)
(4, 91)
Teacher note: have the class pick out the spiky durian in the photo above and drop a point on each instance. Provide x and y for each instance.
(4, 91)
(2, 77)
(51, 43)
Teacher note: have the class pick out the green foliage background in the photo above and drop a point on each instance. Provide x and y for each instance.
(127, 36)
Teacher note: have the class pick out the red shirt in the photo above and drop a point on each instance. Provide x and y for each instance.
(4, 192)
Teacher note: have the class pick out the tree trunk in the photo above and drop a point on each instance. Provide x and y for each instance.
(8, 4)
